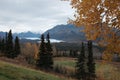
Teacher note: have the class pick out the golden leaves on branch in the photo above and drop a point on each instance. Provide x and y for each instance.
(101, 21)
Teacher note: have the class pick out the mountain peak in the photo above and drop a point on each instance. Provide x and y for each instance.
(67, 32)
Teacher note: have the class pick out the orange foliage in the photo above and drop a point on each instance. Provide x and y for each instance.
(101, 20)
(30, 50)
(36, 51)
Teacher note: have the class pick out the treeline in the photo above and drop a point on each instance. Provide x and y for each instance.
(73, 50)
(9, 47)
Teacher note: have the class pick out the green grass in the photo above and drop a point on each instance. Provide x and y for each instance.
(104, 71)
(13, 72)
(67, 63)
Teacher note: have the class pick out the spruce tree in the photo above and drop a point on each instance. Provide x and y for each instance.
(80, 65)
(71, 53)
(3, 45)
(17, 47)
(0, 44)
(91, 63)
(9, 45)
(41, 61)
(49, 52)
(6, 39)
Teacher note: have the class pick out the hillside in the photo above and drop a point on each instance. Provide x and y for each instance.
(68, 33)
(10, 71)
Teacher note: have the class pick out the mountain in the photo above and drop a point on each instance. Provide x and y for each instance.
(26, 34)
(2, 34)
(68, 33)
(22, 34)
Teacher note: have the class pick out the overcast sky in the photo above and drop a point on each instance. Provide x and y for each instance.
(33, 15)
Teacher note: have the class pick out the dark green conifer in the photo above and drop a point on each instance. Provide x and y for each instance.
(3, 45)
(6, 39)
(90, 63)
(9, 45)
(41, 61)
(17, 47)
(49, 52)
(0, 44)
(80, 65)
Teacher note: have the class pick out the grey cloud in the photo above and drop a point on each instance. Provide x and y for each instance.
(34, 14)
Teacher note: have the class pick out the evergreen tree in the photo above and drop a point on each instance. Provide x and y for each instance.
(0, 44)
(17, 47)
(91, 63)
(3, 45)
(6, 39)
(80, 65)
(71, 53)
(9, 45)
(49, 52)
(41, 61)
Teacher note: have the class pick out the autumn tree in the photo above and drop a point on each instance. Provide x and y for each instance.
(101, 21)
(54, 51)
(49, 52)
(80, 65)
(90, 64)
(35, 49)
(27, 50)
(17, 50)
